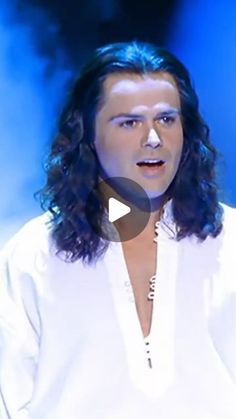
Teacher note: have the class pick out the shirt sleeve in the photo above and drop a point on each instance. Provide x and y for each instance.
(19, 336)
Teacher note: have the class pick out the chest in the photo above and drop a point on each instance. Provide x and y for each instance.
(141, 263)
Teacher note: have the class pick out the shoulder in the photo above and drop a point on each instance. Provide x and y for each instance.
(32, 239)
(229, 213)
(225, 246)
(229, 223)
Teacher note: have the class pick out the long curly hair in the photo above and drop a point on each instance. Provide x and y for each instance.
(72, 166)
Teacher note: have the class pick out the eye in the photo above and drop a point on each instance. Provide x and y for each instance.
(167, 119)
(130, 123)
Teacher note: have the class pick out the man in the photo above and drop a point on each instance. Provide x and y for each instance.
(133, 325)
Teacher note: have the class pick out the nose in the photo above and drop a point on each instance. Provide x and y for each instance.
(153, 139)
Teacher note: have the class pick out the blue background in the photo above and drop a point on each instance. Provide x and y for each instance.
(42, 45)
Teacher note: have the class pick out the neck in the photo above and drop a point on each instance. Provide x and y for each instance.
(147, 234)
(155, 207)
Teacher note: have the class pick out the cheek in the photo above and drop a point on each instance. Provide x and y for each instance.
(108, 151)
(179, 143)
(110, 144)
(180, 149)
(178, 155)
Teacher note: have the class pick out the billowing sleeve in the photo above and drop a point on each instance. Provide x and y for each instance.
(19, 333)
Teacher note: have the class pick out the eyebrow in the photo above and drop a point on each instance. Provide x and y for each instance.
(163, 112)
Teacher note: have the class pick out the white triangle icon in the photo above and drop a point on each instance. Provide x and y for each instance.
(116, 209)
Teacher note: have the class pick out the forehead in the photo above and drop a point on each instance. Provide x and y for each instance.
(130, 87)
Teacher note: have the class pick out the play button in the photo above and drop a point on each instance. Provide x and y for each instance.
(123, 209)
(116, 210)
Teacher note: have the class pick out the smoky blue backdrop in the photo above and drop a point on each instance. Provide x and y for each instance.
(44, 42)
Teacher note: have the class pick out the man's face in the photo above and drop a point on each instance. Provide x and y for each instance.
(138, 130)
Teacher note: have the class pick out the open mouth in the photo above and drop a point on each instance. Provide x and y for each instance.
(151, 163)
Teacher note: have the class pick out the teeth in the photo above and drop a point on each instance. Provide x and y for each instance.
(151, 161)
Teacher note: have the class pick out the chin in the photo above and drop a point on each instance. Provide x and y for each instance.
(157, 192)
(154, 196)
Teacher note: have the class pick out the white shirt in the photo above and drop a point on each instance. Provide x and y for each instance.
(71, 345)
